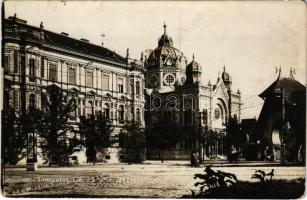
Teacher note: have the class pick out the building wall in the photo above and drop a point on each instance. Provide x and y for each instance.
(38, 84)
(103, 93)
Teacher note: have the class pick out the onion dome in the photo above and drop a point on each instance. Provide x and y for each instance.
(165, 39)
(165, 55)
(193, 72)
(226, 77)
(194, 66)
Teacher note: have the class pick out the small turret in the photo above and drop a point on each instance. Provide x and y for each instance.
(226, 78)
(193, 72)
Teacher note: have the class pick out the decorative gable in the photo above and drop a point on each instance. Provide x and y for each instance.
(221, 90)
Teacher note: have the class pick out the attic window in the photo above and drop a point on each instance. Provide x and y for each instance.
(66, 34)
(84, 40)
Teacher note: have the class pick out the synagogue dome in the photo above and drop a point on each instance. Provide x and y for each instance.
(166, 55)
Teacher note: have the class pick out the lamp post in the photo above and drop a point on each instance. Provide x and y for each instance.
(31, 162)
(31, 152)
(202, 116)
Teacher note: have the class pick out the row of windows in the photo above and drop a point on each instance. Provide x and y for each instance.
(72, 75)
(88, 77)
(88, 109)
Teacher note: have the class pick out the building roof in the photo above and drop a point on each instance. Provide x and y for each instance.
(193, 66)
(82, 46)
(64, 41)
(289, 85)
(166, 52)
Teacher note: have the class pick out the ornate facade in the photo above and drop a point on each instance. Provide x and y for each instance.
(102, 80)
(99, 78)
(170, 78)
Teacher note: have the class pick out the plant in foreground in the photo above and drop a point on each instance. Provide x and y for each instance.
(261, 175)
(212, 180)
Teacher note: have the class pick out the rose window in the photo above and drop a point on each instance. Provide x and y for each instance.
(153, 80)
(169, 79)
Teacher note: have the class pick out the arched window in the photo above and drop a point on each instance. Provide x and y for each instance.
(107, 111)
(137, 87)
(83, 107)
(79, 107)
(131, 86)
(52, 71)
(121, 113)
(32, 101)
(89, 109)
(32, 69)
(138, 115)
(43, 101)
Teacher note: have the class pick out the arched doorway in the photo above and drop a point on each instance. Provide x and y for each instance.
(215, 150)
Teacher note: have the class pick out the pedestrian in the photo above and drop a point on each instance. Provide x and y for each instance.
(196, 159)
(268, 155)
(192, 159)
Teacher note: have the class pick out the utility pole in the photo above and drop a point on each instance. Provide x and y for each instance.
(202, 116)
(283, 126)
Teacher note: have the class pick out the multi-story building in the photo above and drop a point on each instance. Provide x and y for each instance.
(172, 80)
(99, 78)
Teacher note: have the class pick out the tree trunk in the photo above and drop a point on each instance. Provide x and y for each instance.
(95, 154)
(49, 159)
(162, 159)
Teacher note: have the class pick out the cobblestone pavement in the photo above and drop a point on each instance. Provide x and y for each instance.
(153, 180)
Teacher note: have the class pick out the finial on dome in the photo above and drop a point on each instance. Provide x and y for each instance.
(41, 25)
(292, 71)
(193, 56)
(278, 71)
(224, 68)
(102, 36)
(164, 26)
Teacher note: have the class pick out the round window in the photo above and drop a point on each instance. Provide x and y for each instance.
(182, 79)
(169, 79)
(153, 80)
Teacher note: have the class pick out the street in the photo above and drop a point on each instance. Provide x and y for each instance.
(166, 180)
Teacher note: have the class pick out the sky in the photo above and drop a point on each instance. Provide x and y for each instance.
(250, 38)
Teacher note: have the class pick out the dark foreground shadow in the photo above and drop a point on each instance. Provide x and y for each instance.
(275, 189)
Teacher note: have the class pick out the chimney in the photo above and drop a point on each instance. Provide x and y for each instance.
(127, 54)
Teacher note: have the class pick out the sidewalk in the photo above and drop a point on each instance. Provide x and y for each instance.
(183, 163)
(219, 163)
